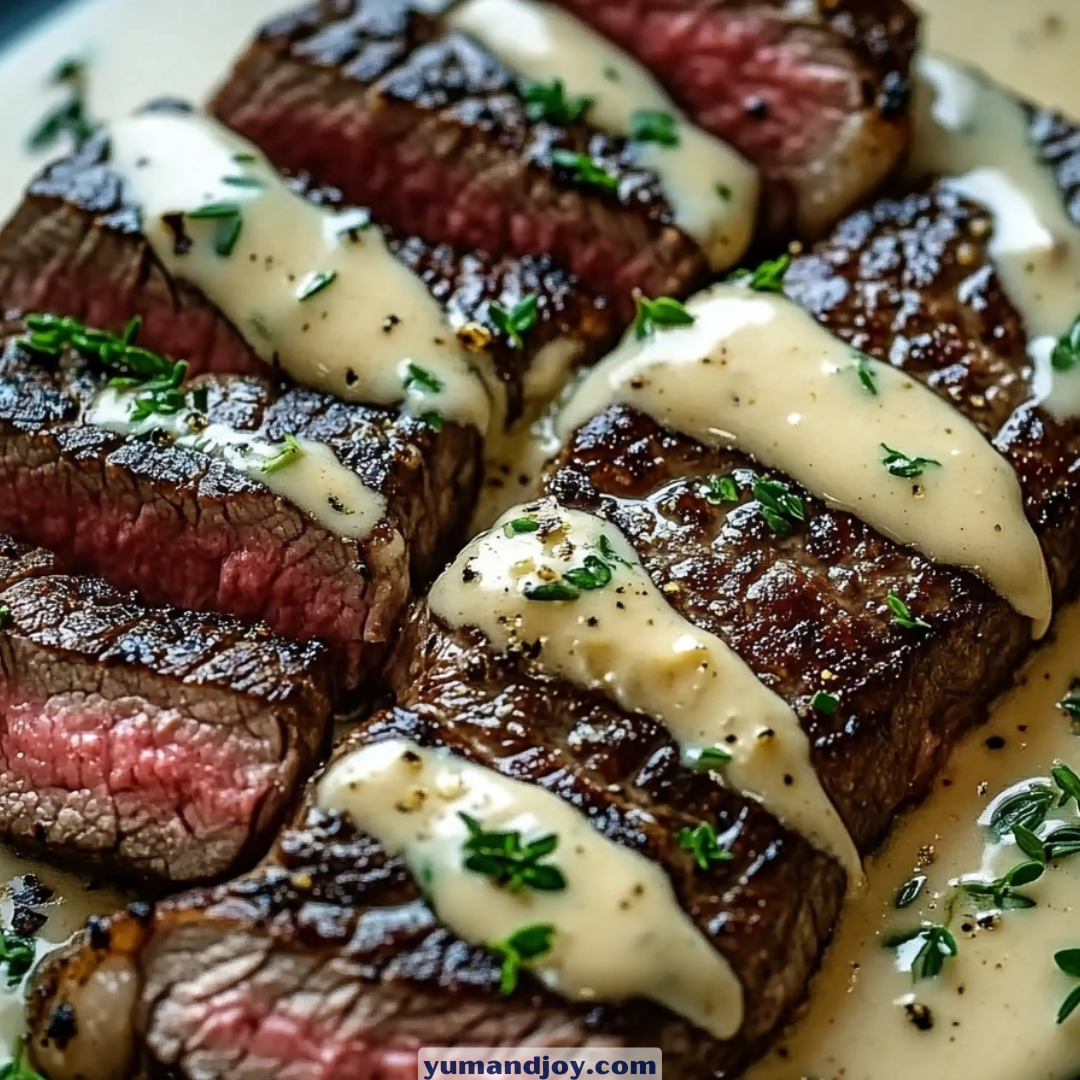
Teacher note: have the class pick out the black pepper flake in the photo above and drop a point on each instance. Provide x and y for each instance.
(25, 921)
(62, 1027)
(592, 620)
(97, 932)
(895, 96)
(351, 378)
(756, 108)
(995, 742)
(182, 243)
(920, 1015)
(141, 911)
(390, 322)
(468, 574)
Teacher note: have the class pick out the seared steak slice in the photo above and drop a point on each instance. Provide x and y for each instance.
(894, 282)
(338, 918)
(183, 527)
(816, 95)
(147, 742)
(76, 247)
(428, 129)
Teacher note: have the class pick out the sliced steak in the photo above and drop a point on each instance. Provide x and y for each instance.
(335, 921)
(909, 281)
(76, 247)
(420, 123)
(815, 94)
(147, 742)
(182, 527)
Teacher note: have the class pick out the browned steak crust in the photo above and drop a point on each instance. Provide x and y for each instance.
(147, 742)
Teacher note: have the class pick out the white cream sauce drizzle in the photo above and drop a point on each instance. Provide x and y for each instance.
(993, 1008)
(358, 335)
(976, 134)
(628, 642)
(712, 188)
(314, 479)
(410, 799)
(757, 372)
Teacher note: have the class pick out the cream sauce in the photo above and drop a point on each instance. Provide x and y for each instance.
(410, 799)
(993, 1008)
(309, 474)
(625, 640)
(976, 134)
(311, 291)
(757, 372)
(713, 189)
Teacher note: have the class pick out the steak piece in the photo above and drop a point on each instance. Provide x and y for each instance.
(76, 247)
(182, 527)
(145, 742)
(420, 123)
(339, 920)
(816, 95)
(893, 282)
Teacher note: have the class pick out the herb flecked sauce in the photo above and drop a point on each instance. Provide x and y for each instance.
(991, 1010)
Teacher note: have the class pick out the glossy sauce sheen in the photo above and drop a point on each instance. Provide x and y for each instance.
(712, 189)
(976, 135)
(757, 373)
(1002, 1027)
(410, 798)
(625, 640)
(312, 479)
(356, 335)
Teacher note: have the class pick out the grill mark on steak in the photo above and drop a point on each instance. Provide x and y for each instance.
(147, 742)
(183, 528)
(893, 281)
(429, 130)
(816, 95)
(75, 247)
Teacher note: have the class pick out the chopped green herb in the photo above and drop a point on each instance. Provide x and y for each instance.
(938, 945)
(291, 451)
(584, 170)
(1066, 352)
(902, 614)
(780, 506)
(158, 396)
(1027, 807)
(1068, 783)
(721, 489)
(594, 574)
(611, 74)
(502, 857)
(607, 550)
(70, 117)
(422, 380)
(527, 943)
(229, 220)
(865, 369)
(824, 703)
(654, 126)
(314, 284)
(243, 181)
(711, 758)
(908, 893)
(702, 841)
(1068, 961)
(1070, 703)
(244, 159)
(768, 277)
(521, 525)
(549, 101)
(434, 420)
(1002, 892)
(517, 321)
(900, 464)
(200, 399)
(724, 192)
(1062, 842)
(18, 954)
(5, 616)
(550, 592)
(1029, 843)
(661, 313)
(17, 1068)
